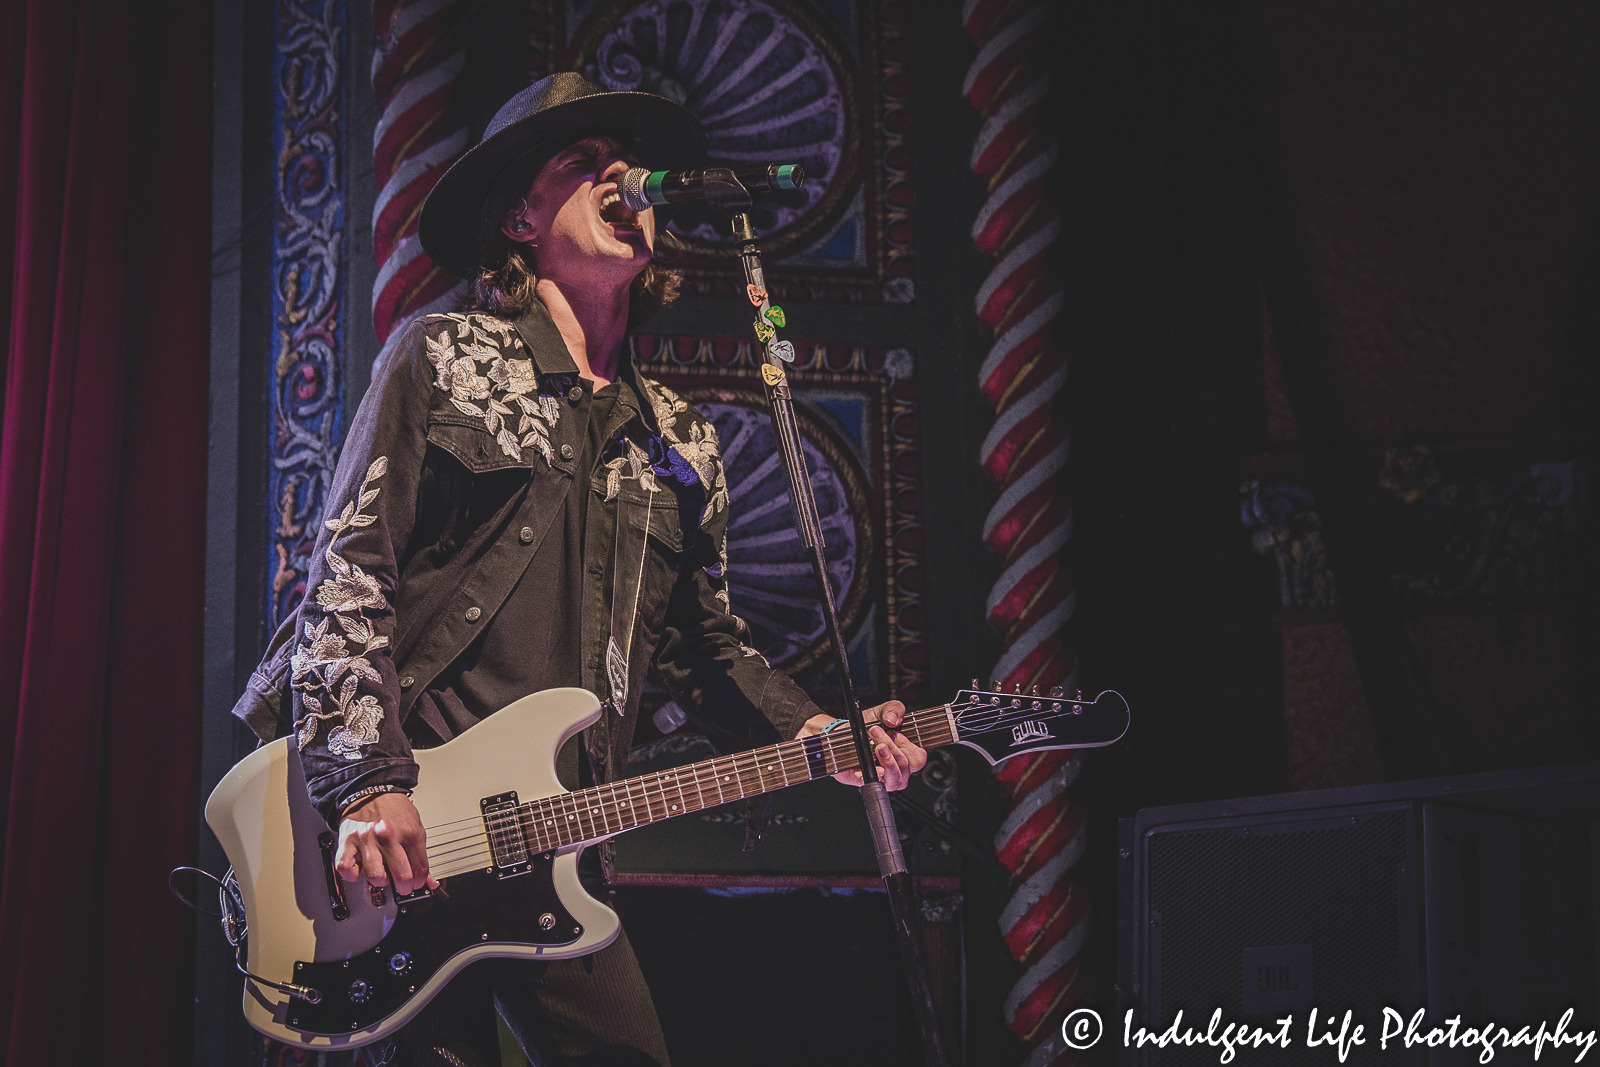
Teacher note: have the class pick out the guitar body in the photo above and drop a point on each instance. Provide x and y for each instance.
(379, 964)
(503, 841)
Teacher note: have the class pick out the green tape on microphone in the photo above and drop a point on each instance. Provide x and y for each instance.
(652, 188)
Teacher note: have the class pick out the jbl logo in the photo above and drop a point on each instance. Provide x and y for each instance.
(1277, 978)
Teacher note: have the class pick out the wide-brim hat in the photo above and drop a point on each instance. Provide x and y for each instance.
(463, 212)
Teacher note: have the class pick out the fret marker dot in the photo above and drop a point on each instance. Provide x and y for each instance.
(674, 807)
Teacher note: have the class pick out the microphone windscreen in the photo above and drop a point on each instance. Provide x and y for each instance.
(632, 189)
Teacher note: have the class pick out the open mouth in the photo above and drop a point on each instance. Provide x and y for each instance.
(616, 213)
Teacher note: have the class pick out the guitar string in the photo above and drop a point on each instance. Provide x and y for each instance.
(930, 714)
(1003, 714)
(794, 761)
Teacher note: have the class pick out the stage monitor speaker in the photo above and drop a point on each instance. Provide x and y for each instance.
(1470, 896)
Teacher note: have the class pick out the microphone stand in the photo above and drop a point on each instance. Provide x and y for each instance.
(880, 816)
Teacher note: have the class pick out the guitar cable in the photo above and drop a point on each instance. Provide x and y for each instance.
(230, 902)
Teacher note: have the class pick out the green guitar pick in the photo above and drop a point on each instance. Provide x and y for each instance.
(775, 316)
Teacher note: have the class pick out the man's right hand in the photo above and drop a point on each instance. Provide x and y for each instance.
(382, 837)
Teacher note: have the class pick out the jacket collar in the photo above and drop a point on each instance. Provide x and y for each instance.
(539, 333)
(550, 357)
(629, 374)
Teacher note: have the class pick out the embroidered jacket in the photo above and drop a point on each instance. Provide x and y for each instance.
(484, 541)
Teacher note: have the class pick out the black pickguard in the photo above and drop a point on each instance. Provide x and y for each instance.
(468, 909)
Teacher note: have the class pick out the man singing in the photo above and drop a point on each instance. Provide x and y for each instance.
(517, 509)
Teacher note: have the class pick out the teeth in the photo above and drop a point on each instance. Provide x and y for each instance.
(609, 199)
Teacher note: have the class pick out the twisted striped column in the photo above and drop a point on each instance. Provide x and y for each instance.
(415, 141)
(1046, 920)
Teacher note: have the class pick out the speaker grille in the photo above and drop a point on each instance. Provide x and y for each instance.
(1327, 883)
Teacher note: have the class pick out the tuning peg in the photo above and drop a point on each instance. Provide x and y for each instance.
(1056, 692)
(1077, 694)
(975, 685)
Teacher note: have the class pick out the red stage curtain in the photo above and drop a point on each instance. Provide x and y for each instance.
(105, 147)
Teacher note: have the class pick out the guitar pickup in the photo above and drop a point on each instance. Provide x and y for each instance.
(508, 840)
(336, 904)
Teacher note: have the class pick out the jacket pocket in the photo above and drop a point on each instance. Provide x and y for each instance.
(656, 514)
(474, 447)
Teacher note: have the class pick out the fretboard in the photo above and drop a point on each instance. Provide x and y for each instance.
(603, 810)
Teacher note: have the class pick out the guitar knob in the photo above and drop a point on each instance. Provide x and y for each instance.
(360, 991)
(399, 963)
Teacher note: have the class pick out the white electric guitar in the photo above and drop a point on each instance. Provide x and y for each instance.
(332, 964)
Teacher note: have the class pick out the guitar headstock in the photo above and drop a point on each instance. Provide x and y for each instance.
(1001, 724)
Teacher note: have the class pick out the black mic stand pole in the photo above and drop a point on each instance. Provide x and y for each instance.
(880, 817)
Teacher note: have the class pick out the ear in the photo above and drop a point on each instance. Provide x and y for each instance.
(517, 228)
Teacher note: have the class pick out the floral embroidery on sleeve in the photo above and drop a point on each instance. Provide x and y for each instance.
(332, 664)
(503, 382)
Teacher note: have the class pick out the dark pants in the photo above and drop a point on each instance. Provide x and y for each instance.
(594, 1011)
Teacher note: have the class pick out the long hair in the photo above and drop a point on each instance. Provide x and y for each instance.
(504, 284)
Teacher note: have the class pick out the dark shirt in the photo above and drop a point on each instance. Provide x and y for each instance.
(537, 639)
(499, 528)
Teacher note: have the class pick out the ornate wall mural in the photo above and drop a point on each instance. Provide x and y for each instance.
(305, 384)
(857, 408)
(817, 83)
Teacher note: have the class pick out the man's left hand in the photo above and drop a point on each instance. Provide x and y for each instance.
(898, 757)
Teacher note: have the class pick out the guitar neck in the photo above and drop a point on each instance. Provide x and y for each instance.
(603, 810)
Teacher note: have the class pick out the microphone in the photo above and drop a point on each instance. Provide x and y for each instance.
(642, 189)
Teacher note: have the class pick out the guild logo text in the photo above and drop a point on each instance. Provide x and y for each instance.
(1028, 731)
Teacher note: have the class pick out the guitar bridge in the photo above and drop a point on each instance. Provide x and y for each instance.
(508, 841)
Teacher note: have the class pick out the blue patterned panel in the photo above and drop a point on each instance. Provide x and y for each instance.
(305, 383)
(769, 576)
(763, 88)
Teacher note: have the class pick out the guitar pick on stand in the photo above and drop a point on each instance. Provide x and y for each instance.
(880, 814)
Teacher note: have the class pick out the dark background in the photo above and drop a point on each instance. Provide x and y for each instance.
(1295, 236)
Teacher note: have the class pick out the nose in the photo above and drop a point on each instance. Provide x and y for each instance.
(616, 168)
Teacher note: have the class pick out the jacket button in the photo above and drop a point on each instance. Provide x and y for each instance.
(574, 395)
(474, 614)
(407, 682)
(526, 536)
(566, 451)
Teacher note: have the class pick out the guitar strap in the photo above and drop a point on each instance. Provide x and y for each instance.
(627, 582)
